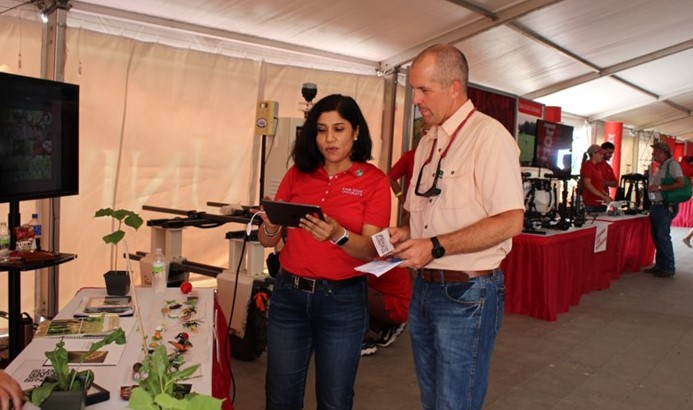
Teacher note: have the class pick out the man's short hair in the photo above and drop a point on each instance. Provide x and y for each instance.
(608, 145)
(451, 64)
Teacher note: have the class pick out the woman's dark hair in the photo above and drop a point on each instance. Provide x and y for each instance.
(306, 154)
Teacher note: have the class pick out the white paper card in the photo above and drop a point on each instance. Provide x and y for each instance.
(379, 267)
(382, 243)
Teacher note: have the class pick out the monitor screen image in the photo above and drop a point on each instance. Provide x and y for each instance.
(39, 138)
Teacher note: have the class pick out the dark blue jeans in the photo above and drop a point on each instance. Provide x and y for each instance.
(661, 216)
(453, 327)
(330, 324)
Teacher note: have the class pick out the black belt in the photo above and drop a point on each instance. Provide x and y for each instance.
(312, 285)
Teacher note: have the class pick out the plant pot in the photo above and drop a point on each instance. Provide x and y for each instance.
(65, 400)
(117, 282)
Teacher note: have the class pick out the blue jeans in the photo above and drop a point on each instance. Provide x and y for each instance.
(329, 323)
(660, 227)
(453, 327)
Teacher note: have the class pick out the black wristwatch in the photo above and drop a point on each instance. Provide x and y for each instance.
(342, 240)
(438, 251)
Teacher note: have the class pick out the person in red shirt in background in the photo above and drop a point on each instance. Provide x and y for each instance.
(403, 167)
(592, 180)
(687, 169)
(388, 306)
(604, 166)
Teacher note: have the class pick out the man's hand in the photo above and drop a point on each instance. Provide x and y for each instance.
(398, 234)
(416, 253)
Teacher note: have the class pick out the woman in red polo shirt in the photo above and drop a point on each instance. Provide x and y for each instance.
(318, 304)
(592, 180)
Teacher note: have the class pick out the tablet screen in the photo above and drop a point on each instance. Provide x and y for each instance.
(289, 213)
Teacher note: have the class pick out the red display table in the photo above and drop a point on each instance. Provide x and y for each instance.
(546, 274)
(685, 216)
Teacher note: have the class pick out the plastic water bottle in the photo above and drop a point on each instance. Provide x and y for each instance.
(36, 224)
(159, 279)
(4, 242)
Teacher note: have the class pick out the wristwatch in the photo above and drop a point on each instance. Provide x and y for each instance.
(342, 240)
(438, 251)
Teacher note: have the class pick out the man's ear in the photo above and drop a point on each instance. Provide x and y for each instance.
(456, 89)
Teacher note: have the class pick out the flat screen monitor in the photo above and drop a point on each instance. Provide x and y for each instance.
(553, 146)
(39, 138)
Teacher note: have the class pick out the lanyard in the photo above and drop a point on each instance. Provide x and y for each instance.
(452, 139)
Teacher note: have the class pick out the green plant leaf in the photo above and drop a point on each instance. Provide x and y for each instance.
(103, 212)
(41, 393)
(67, 379)
(159, 382)
(184, 373)
(133, 220)
(114, 237)
(168, 402)
(58, 358)
(203, 402)
(117, 336)
(129, 218)
(141, 400)
(81, 380)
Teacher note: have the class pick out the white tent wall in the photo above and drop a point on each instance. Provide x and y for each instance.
(162, 126)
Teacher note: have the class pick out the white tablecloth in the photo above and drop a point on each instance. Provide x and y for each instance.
(113, 377)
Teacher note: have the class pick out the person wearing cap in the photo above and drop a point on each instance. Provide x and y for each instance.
(605, 167)
(662, 213)
(592, 180)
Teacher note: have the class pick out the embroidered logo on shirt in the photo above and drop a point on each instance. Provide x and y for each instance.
(352, 191)
(359, 172)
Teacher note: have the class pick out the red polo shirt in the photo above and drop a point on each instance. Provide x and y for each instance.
(357, 196)
(607, 173)
(404, 166)
(395, 286)
(591, 171)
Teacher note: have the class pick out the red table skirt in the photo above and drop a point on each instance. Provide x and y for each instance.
(221, 376)
(545, 275)
(685, 216)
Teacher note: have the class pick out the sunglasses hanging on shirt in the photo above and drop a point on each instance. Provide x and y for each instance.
(434, 190)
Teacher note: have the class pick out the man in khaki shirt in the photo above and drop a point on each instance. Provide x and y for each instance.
(466, 203)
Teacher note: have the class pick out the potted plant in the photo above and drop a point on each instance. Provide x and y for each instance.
(72, 383)
(159, 386)
(118, 282)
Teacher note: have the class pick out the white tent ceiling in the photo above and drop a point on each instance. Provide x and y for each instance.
(612, 60)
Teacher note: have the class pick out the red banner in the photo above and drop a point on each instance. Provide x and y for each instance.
(613, 132)
(552, 113)
(529, 107)
(678, 151)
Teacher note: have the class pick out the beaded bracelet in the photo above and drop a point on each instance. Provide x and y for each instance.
(268, 234)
